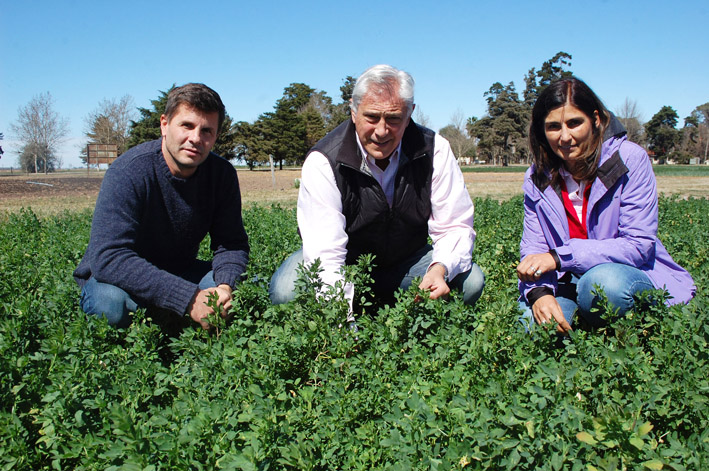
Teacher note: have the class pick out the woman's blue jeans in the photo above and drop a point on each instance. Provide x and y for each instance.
(109, 301)
(386, 281)
(620, 284)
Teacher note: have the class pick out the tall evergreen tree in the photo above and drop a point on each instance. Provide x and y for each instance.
(147, 128)
(502, 131)
(537, 80)
(342, 110)
(662, 133)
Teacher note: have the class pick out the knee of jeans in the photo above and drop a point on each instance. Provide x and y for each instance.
(617, 289)
(281, 289)
(106, 301)
(280, 292)
(473, 285)
(207, 281)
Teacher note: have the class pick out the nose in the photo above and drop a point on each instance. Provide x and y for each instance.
(195, 135)
(381, 128)
(565, 134)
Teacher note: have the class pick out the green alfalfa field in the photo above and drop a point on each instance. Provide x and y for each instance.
(421, 385)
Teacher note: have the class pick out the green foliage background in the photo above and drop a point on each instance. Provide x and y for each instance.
(421, 385)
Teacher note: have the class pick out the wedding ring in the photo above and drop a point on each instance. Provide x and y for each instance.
(538, 273)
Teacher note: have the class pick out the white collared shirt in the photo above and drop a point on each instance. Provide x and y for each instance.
(575, 191)
(386, 177)
(322, 224)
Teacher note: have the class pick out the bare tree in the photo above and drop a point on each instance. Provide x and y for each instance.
(110, 122)
(457, 134)
(629, 115)
(41, 130)
(420, 118)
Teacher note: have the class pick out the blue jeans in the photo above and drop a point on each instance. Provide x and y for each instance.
(109, 301)
(620, 284)
(386, 281)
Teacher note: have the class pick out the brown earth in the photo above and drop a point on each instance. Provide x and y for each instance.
(77, 190)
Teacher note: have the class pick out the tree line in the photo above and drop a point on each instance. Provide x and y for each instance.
(303, 115)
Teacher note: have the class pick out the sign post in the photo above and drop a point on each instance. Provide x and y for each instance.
(100, 154)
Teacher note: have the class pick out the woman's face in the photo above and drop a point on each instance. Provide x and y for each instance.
(569, 132)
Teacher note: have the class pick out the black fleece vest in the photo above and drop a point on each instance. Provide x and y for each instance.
(391, 234)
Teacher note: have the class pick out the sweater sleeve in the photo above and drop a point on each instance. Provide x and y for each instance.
(230, 244)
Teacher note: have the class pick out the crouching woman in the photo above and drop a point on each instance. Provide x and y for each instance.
(590, 214)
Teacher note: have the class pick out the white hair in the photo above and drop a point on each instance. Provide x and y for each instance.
(384, 77)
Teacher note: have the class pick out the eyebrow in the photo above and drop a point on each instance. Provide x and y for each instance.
(386, 114)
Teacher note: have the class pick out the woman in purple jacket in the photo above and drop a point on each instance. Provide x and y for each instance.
(590, 214)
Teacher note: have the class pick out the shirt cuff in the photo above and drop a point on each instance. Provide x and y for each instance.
(536, 293)
(445, 269)
(557, 260)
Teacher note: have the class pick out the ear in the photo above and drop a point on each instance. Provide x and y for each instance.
(596, 119)
(163, 124)
(352, 111)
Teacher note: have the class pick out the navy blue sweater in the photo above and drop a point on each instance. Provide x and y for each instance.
(148, 225)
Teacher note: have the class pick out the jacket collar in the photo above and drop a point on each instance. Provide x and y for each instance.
(611, 170)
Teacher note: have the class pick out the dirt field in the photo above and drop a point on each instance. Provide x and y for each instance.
(54, 193)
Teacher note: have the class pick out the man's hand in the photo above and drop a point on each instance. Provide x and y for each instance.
(547, 308)
(198, 309)
(535, 265)
(435, 281)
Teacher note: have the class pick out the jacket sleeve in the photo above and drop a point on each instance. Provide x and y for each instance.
(534, 242)
(630, 239)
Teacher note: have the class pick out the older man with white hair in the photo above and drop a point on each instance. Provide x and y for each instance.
(381, 184)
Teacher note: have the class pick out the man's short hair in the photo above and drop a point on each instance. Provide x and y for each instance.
(195, 95)
(384, 77)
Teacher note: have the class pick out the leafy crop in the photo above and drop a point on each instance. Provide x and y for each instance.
(420, 384)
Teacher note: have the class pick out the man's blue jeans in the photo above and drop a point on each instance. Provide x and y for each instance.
(386, 281)
(105, 300)
(620, 284)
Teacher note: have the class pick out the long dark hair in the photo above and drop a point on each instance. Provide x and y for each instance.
(575, 92)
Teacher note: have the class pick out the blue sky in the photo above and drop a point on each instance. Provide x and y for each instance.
(656, 53)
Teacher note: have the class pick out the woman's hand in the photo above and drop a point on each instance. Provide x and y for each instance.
(547, 308)
(535, 265)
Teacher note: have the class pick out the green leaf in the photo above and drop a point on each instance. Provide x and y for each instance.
(586, 438)
(645, 428)
(653, 464)
(637, 443)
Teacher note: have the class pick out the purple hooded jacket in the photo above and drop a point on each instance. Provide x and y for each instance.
(621, 220)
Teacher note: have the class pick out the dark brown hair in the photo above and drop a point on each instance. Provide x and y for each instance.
(195, 95)
(575, 92)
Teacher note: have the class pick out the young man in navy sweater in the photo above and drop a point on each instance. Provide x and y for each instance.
(156, 204)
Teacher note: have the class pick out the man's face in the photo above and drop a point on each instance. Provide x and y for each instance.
(380, 122)
(187, 139)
